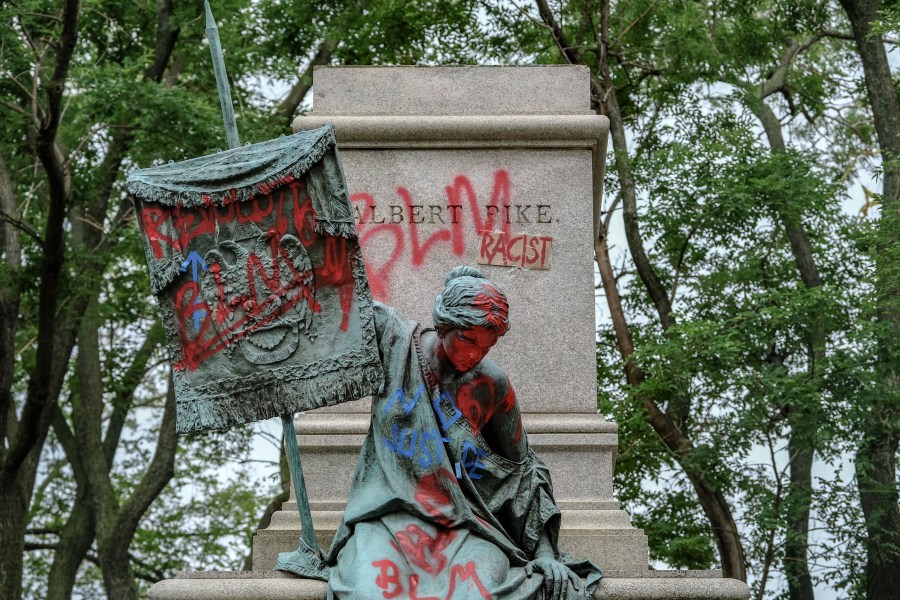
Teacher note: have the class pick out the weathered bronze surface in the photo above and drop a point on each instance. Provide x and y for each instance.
(255, 261)
(448, 500)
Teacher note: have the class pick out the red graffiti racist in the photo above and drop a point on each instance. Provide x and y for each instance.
(460, 196)
(248, 289)
(525, 251)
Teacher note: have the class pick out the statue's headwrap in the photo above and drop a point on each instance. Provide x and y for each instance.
(469, 299)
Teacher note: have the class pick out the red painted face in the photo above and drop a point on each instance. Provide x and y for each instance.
(466, 347)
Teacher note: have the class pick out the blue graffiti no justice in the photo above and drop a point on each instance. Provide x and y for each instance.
(427, 446)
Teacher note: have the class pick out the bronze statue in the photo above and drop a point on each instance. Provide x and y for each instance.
(448, 500)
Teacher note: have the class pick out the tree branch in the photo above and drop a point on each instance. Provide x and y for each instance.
(166, 36)
(35, 419)
(566, 48)
(158, 474)
(57, 84)
(298, 91)
(9, 300)
(68, 442)
(629, 208)
(21, 226)
(129, 381)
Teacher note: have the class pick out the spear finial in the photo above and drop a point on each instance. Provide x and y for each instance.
(215, 48)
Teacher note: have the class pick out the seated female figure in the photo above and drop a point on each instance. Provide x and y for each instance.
(448, 500)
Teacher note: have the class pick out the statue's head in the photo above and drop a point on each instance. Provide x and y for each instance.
(470, 315)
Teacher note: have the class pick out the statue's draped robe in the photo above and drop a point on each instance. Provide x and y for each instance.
(434, 513)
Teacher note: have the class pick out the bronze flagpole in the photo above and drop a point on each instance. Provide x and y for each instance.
(308, 560)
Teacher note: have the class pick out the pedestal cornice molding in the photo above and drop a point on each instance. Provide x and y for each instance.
(462, 131)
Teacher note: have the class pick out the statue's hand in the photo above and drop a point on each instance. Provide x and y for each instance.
(556, 575)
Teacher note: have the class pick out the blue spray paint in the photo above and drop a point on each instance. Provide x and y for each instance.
(408, 405)
(471, 465)
(194, 260)
(446, 422)
(425, 446)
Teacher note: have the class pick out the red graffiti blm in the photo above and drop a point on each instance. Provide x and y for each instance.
(464, 574)
(388, 580)
(460, 194)
(432, 493)
(274, 284)
(281, 291)
(423, 550)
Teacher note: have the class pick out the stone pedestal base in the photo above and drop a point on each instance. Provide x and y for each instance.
(579, 449)
(269, 585)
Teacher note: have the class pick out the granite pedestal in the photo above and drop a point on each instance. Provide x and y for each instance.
(433, 158)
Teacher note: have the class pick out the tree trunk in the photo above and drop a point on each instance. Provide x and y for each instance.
(801, 451)
(87, 409)
(798, 501)
(14, 506)
(876, 468)
(118, 577)
(77, 534)
(75, 541)
(13, 514)
(671, 428)
(288, 107)
(11, 248)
